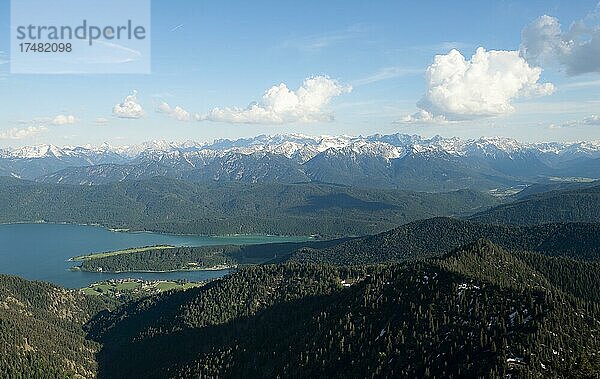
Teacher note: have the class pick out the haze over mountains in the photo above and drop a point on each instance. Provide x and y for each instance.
(383, 161)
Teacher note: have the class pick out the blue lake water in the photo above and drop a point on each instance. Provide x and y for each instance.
(41, 251)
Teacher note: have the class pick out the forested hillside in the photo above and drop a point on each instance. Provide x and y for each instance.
(434, 237)
(417, 240)
(199, 257)
(572, 205)
(182, 207)
(478, 312)
(41, 333)
(552, 186)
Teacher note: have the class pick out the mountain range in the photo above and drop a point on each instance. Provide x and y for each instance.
(383, 161)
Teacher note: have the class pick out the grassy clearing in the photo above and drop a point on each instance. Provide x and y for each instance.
(121, 252)
(132, 288)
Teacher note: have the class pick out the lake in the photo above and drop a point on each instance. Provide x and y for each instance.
(41, 251)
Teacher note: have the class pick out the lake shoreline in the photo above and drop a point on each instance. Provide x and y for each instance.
(141, 231)
(41, 251)
(106, 254)
(213, 268)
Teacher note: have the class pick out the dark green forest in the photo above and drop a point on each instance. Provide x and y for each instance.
(580, 204)
(480, 311)
(168, 205)
(41, 333)
(425, 238)
(201, 257)
(434, 237)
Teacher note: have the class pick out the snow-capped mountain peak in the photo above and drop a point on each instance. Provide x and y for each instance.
(38, 151)
(302, 148)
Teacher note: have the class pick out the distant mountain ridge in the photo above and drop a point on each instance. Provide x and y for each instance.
(177, 206)
(384, 161)
(304, 147)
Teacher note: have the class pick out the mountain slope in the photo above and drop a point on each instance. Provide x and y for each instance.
(176, 206)
(433, 237)
(108, 173)
(41, 333)
(479, 312)
(551, 186)
(425, 238)
(580, 205)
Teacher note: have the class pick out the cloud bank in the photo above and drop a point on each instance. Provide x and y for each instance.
(483, 86)
(422, 117)
(129, 108)
(17, 134)
(280, 105)
(593, 120)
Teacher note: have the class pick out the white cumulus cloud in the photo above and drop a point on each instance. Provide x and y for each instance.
(577, 49)
(16, 133)
(62, 119)
(177, 113)
(485, 85)
(280, 105)
(129, 108)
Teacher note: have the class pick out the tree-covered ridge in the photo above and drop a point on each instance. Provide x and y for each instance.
(566, 343)
(200, 257)
(41, 333)
(420, 239)
(175, 259)
(167, 205)
(581, 205)
(478, 312)
(434, 237)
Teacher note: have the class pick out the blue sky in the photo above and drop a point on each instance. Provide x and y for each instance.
(367, 60)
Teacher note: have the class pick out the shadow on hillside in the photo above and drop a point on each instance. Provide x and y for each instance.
(125, 354)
